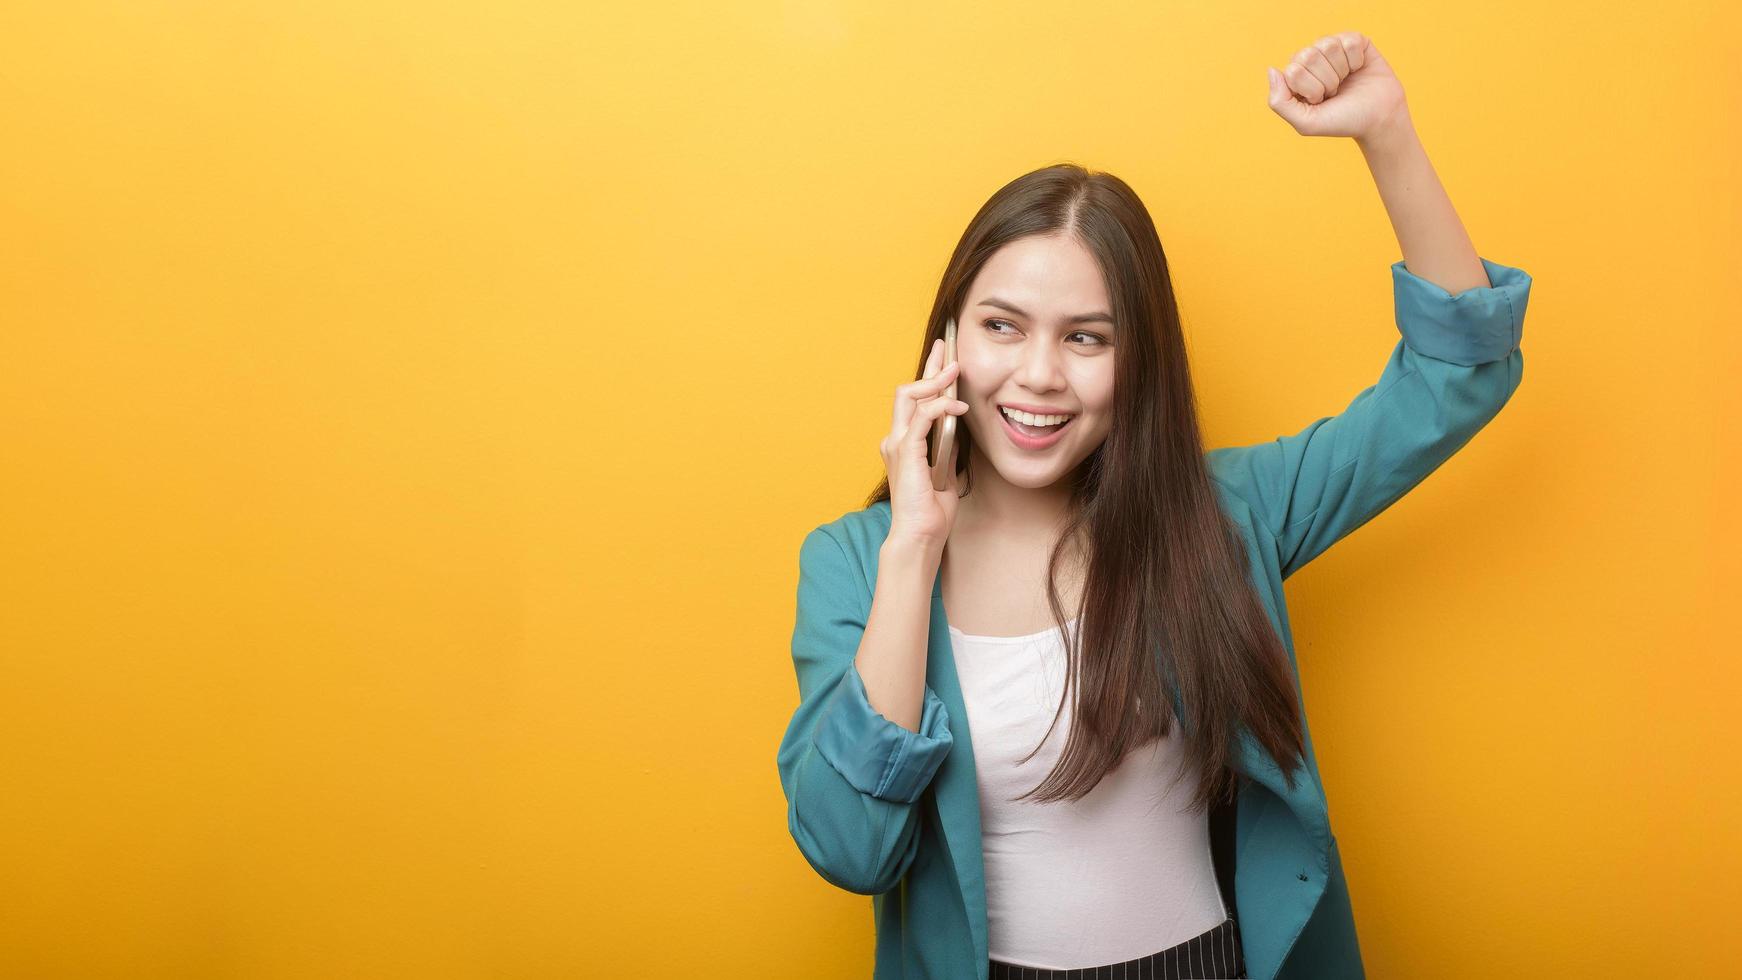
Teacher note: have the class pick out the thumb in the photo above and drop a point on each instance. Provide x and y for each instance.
(1282, 99)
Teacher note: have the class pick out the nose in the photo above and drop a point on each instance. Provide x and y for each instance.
(1041, 368)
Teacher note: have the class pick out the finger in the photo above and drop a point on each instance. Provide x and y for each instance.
(1333, 51)
(1283, 102)
(932, 384)
(917, 393)
(1312, 61)
(922, 422)
(927, 411)
(1355, 47)
(1302, 83)
(903, 408)
(930, 387)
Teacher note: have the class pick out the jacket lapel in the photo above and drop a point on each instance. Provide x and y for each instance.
(956, 791)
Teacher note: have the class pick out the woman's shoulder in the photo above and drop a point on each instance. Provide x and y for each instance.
(859, 531)
(1228, 468)
(842, 553)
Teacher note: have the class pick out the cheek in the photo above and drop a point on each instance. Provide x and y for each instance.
(1102, 407)
(1100, 388)
(1094, 387)
(976, 374)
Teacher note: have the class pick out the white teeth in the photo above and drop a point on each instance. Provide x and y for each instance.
(1027, 419)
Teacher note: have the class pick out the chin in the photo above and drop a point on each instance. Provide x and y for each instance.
(1032, 475)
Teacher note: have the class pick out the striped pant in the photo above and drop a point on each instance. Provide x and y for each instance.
(1212, 954)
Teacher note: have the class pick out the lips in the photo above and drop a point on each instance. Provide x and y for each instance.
(1023, 440)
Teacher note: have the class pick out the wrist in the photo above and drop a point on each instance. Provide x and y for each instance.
(1392, 135)
(910, 551)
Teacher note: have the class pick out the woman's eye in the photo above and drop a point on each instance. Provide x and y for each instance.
(1099, 341)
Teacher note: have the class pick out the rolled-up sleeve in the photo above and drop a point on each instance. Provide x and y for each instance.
(852, 777)
(876, 755)
(1457, 362)
(1473, 327)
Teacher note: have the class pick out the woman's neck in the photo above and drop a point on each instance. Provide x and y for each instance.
(1005, 510)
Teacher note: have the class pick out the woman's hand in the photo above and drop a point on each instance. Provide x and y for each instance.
(1338, 86)
(917, 512)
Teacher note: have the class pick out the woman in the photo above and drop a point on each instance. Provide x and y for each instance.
(1105, 577)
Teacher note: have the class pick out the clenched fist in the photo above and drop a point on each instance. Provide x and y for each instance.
(1339, 85)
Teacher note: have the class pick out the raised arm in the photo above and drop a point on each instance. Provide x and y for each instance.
(1457, 363)
(1341, 86)
(1460, 317)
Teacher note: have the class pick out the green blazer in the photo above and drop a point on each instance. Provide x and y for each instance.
(895, 814)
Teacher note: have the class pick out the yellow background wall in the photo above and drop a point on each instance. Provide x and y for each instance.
(410, 414)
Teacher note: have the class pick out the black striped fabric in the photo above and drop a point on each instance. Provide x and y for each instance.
(1213, 954)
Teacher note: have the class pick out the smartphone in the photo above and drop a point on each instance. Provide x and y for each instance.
(943, 431)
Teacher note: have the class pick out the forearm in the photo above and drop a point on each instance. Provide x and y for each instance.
(892, 654)
(1434, 242)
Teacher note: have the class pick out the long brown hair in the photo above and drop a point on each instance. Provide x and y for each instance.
(1167, 603)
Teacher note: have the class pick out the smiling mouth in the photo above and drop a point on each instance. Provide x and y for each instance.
(1038, 431)
(1034, 437)
(1034, 431)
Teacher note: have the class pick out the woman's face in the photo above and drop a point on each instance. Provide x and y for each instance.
(1036, 333)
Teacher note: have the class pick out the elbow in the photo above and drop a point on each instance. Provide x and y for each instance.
(845, 868)
(1487, 390)
(853, 786)
(1506, 380)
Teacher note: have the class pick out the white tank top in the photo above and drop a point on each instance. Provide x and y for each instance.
(1117, 875)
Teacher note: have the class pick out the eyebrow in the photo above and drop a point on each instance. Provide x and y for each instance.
(1079, 318)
